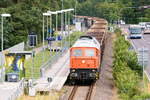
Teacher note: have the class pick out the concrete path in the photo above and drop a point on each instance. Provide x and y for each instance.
(10, 90)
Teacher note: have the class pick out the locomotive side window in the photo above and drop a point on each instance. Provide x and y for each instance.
(89, 52)
(77, 52)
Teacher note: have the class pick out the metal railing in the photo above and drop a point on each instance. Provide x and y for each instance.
(57, 55)
(143, 56)
(52, 60)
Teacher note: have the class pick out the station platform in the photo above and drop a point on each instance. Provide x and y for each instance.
(11, 90)
(57, 75)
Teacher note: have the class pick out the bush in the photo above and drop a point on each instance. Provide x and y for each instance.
(126, 70)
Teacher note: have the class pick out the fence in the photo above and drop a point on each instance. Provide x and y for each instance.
(51, 61)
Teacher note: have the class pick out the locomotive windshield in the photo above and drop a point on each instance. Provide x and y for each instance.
(89, 52)
(77, 52)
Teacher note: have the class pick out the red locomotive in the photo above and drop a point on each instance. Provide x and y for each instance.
(86, 53)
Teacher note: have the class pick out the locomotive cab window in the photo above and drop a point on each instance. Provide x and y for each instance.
(89, 52)
(77, 52)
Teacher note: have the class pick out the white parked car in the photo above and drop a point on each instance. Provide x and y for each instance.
(146, 31)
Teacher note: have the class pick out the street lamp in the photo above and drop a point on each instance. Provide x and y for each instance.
(65, 12)
(2, 42)
(53, 13)
(3, 15)
(57, 17)
(62, 4)
(62, 25)
(60, 12)
(75, 9)
(64, 33)
(44, 14)
(69, 23)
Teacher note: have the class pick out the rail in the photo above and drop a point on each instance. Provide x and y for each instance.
(88, 95)
(73, 92)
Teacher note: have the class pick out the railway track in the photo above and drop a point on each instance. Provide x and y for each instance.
(75, 90)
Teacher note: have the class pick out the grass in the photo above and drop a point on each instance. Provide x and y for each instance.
(52, 95)
(36, 63)
(146, 84)
(49, 96)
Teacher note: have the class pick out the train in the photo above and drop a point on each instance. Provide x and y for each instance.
(86, 53)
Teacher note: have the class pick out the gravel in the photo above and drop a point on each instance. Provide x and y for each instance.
(104, 89)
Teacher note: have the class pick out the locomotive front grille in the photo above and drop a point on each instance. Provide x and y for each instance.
(83, 75)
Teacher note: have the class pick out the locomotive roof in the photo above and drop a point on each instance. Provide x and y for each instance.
(87, 41)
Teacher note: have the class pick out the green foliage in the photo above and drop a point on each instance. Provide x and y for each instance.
(109, 11)
(126, 70)
(86, 8)
(113, 10)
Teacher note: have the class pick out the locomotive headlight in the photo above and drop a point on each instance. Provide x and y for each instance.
(83, 61)
(73, 70)
(93, 70)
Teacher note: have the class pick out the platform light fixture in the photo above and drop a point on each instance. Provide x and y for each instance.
(2, 41)
(44, 14)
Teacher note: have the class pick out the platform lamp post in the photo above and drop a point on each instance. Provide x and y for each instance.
(64, 25)
(59, 12)
(56, 21)
(69, 24)
(44, 14)
(53, 13)
(2, 43)
(62, 4)
(75, 11)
